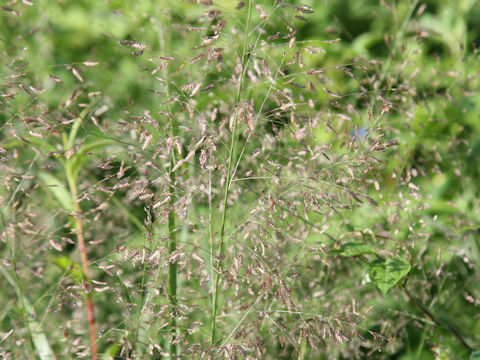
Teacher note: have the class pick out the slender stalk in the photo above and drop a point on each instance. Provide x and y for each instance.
(18, 288)
(13, 262)
(210, 230)
(437, 321)
(172, 242)
(83, 253)
(172, 267)
(141, 313)
(396, 41)
(228, 179)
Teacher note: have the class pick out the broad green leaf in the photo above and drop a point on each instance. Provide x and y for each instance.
(386, 273)
(58, 190)
(475, 355)
(356, 249)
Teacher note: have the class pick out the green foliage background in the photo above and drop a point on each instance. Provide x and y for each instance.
(430, 74)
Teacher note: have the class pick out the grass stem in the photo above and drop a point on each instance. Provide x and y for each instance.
(231, 159)
(172, 240)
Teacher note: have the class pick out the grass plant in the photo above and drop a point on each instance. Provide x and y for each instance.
(239, 180)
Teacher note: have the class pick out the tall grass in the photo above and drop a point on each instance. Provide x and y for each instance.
(232, 180)
(231, 159)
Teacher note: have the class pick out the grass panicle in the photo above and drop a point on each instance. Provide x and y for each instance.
(249, 179)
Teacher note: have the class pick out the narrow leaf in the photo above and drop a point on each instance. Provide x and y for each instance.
(58, 190)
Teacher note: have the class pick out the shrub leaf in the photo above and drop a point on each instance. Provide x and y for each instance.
(386, 273)
(358, 248)
(475, 355)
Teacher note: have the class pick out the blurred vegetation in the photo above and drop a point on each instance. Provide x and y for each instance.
(406, 70)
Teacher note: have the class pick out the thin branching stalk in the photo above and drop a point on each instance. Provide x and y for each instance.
(396, 43)
(435, 320)
(16, 282)
(141, 312)
(172, 247)
(210, 231)
(231, 159)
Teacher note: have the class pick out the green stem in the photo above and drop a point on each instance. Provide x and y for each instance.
(172, 242)
(231, 159)
(172, 267)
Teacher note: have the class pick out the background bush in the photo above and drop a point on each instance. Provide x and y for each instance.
(347, 228)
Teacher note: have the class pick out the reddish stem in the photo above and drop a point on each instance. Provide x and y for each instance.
(91, 322)
(83, 253)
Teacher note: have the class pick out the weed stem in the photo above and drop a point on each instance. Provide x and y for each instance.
(83, 253)
(436, 320)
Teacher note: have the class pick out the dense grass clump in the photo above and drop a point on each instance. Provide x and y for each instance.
(239, 180)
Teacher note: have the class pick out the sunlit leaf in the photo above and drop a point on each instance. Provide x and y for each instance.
(386, 273)
(357, 248)
(58, 189)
